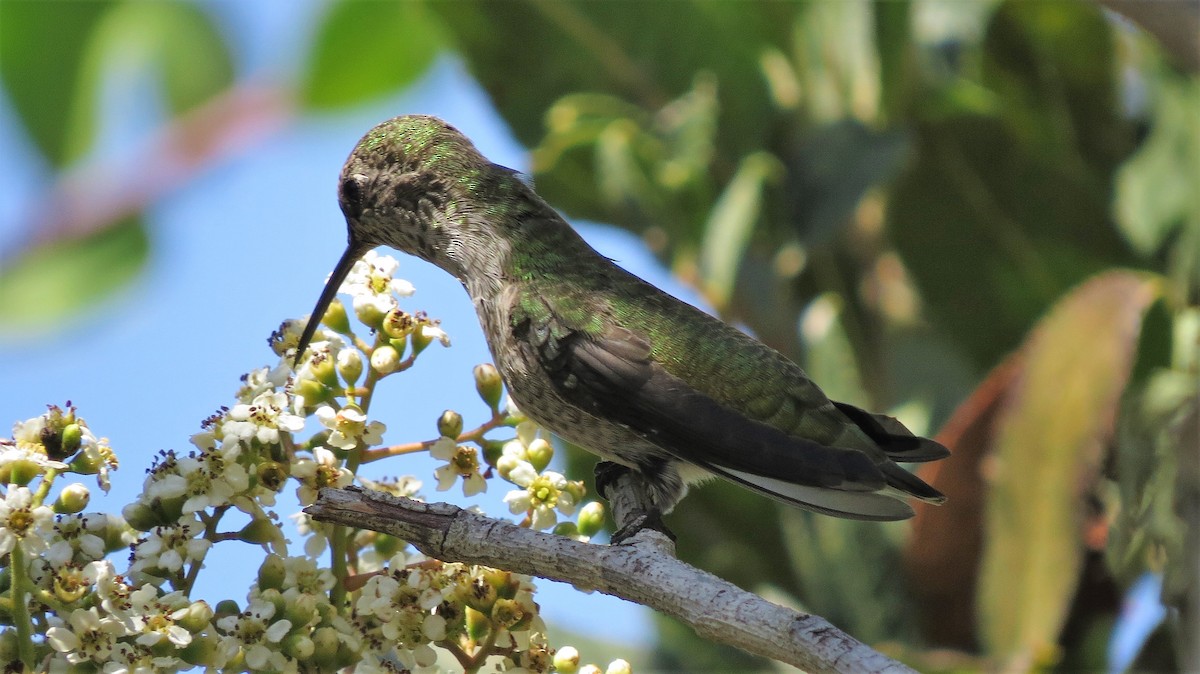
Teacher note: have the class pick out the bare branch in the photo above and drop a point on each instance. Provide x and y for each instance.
(643, 571)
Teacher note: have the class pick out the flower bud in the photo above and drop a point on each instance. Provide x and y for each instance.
(335, 317)
(385, 359)
(313, 391)
(323, 369)
(505, 465)
(72, 438)
(258, 531)
(197, 616)
(325, 646)
(272, 572)
(386, 545)
(368, 312)
(202, 651)
(140, 516)
(450, 424)
(72, 499)
(225, 608)
(566, 660)
(591, 519)
(488, 385)
(540, 452)
(298, 646)
(301, 609)
(492, 450)
(276, 599)
(619, 666)
(349, 365)
(567, 529)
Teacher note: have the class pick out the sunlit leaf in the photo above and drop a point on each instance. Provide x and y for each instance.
(731, 222)
(52, 282)
(1050, 441)
(367, 48)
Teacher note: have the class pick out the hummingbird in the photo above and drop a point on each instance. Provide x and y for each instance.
(607, 361)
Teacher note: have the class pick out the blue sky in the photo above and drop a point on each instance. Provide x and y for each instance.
(243, 246)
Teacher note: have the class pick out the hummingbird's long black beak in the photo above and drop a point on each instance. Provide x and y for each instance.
(353, 252)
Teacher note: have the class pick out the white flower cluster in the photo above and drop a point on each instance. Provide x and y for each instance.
(378, 607)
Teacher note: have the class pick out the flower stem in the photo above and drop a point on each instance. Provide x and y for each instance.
(20, 609)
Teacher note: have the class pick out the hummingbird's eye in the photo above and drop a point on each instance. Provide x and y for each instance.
(351, 195)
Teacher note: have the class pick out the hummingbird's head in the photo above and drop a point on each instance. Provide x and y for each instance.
(410, 183)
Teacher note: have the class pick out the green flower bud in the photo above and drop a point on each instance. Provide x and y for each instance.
(72, 499)
(576, 489)
(272, 573)
(335, 318)
(323, 369)
(369, 314)
(492, 451)
(385, 359)
(325, 645)
(567, 529)
(259, 531)
(298, 646)
(9, 646)
(225, 608)
(387, 546)
(540, 452)
(301, 609)
(72, 438)
(140, 516)
(619, 666)
(202, 652)
(398, 324)
(274, 597)
(349, 365)
(313, 391)
(505, 465)
(591, 519)
(450, 424)
(488, 385)
(198, 616)
(566, 660)
(86, 463)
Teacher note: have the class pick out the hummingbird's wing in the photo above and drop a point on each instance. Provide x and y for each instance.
(611, 371)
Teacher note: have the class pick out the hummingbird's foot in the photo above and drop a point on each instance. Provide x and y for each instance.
(642, 520)
(607, 473)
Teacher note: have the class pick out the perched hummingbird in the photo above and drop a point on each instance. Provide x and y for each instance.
(604, 359)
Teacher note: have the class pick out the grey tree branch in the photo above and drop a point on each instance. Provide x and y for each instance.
(644, 571)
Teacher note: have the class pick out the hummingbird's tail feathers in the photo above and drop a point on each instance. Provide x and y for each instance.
(858, 505)
(910, 485)
(893, 438)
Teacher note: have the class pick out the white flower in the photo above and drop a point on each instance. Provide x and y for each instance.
(21, 520)
(77, 532)
(350, 427)
(320, 471)
(255, 633)
(462, 460)
(374, 274)
(263, 419)
(89, 636)
(541, 495)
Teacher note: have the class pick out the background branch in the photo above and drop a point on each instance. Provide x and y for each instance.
(643, 571)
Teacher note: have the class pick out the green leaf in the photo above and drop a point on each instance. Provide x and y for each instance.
(365, 49)
(1051, 439)
(176, 40)
(41, 49)
(56, 280)
(731, 222)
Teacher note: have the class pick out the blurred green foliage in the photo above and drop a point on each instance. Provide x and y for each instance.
(898, 194)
